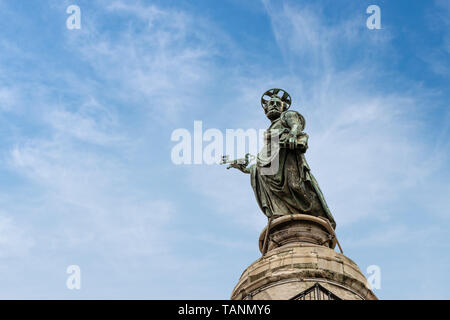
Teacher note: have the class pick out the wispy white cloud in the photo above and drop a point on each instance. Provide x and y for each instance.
(15, 240)
(439, 22)
(81, 164)
(92, 123)
(365, 144)
(162, 63)
(8, 98)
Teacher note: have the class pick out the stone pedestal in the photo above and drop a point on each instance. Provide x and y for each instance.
(301, 264)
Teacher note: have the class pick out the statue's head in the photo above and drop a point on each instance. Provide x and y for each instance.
(274, 102)
(274, 108)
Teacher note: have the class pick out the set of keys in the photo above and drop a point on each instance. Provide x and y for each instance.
(242, 161)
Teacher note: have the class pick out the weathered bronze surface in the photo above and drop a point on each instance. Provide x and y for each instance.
(290, 188)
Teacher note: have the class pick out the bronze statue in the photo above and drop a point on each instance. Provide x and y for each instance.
(281, 178)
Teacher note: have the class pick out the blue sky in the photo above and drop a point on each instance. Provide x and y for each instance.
(86, 118)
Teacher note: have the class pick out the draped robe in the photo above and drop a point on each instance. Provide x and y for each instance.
(291, 188)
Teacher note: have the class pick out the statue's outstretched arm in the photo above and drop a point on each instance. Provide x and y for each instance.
(240, 167)
(240, 164)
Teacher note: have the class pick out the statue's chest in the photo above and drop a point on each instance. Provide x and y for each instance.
(276, 129)
(276, 125)
(271, 148)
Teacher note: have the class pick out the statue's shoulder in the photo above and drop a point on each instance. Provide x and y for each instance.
(292, 115)
(290, 112)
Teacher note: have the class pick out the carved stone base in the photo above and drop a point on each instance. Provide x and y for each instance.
(298, 228)
(301, 264)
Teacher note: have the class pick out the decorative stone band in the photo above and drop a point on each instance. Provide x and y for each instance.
(287, 271)
(298, 228)
(300, 256)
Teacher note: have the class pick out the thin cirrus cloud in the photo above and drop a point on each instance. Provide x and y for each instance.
(163, 62)
(366, 146)
(80, 184)
(77, 166)
(92, 176)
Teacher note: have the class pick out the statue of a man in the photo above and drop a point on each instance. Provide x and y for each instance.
(281, 178)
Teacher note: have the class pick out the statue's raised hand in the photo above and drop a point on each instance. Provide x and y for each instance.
(240, 167)
(292, 139)
(240, 164)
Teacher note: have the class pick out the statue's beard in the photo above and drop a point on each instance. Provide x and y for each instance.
(273, 114)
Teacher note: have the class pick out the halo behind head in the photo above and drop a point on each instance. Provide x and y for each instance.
(279, 93)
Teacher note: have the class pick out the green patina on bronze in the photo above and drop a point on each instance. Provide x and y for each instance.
(288, 187)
